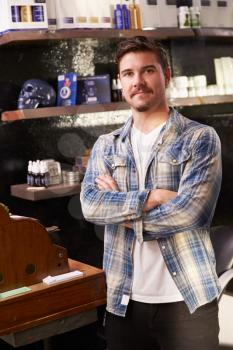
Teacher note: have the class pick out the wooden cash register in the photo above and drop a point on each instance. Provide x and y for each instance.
(30, 309)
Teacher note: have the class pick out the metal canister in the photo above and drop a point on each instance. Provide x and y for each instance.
(26, 14)
(15, 14)
(37, 13)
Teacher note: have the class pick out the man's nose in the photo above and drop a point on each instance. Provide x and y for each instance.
(138, 80)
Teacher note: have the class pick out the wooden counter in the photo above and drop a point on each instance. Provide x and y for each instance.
(38, 313)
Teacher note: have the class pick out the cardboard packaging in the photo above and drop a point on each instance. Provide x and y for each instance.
(65, 13)
(227, 69)
(223, 11)
(208, 10)
(215, 13)
(99, 13)
(67, 89)
(167, 13)
(52, 16)
(93, 89)
(149, 13)
(22, 15)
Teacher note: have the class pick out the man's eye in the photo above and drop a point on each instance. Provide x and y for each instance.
(127, 74)
(149, 70)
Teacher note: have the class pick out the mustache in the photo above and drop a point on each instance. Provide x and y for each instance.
(139, 90)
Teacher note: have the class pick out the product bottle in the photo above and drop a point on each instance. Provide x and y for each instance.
(26, 13)
(33, 174)
(114, 91)
(138, 16)
(195, 17)
(184, 17)
(126, 17)
(44, 173)
(119, 90)
(15, 14)
(135, 16)
(37, 175)
(29, 174)
(118, 17)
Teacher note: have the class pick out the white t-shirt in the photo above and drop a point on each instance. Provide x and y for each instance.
(152, 282)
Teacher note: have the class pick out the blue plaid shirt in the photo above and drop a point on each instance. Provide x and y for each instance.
(186, 159)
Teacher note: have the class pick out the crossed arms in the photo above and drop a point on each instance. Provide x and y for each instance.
(162, 212)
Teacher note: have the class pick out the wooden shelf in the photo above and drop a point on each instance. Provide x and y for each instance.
(114, 106)
(35, 35)
(158, 33)
(209, 33)
(36, 194)
(202, 100)
(58, 111)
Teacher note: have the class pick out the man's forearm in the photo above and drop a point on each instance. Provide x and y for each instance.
(157, 197)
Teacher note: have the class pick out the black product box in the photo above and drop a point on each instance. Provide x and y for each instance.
(93, 89)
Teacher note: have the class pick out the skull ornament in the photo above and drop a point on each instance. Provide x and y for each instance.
(36, 93)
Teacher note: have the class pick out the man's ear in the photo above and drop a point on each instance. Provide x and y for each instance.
(167, 75)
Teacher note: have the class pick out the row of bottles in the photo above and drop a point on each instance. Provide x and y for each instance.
(127, 17)
(189, 17)
(37, 174)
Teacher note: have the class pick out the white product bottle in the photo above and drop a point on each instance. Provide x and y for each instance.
(184, 17)
(195, 17)
(29, 174)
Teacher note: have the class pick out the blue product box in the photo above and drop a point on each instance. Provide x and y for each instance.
(67, 89)
(94, 89)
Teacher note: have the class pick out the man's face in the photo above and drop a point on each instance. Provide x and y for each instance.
(143, 81)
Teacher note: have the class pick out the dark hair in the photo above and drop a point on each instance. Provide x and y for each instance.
(142, 44)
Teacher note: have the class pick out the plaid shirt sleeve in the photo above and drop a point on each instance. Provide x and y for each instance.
(107, 207)
(198, 191)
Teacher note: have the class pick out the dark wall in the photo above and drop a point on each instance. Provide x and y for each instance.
(63, 138)
(196, 56)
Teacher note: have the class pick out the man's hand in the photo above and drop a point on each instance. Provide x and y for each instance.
(106, 183)
(158, 197)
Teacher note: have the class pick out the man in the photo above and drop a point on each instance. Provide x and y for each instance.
(154, 183)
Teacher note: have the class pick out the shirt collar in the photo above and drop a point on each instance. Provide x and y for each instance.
(175, 124)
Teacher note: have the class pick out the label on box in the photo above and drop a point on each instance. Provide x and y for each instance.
(94, 89)
(67, 89)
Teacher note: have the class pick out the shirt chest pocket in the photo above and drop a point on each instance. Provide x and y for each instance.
(116, 165)
(170, 168)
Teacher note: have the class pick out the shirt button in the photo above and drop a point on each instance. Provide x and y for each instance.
(174, 161)
(174, 273)
(113, 166)
(163, 247)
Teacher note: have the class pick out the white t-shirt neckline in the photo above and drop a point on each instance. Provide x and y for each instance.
(152, 282)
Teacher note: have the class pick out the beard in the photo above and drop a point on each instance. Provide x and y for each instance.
(142, 105)
(143, 108)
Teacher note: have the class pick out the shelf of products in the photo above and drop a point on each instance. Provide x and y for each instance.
(158, 33)
(35, 35)
(38, 193)
(114, 106)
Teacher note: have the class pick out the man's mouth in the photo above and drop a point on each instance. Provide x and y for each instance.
(140, 92)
